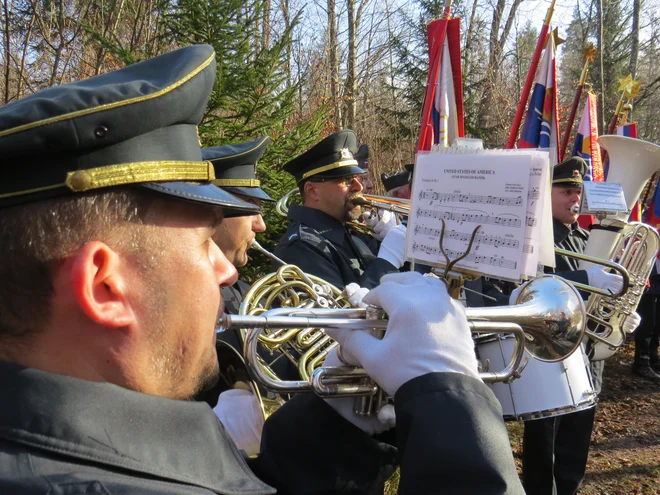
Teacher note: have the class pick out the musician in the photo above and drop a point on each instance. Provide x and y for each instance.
(238, 407)
(397, 185)
(646, 363)
(555, 450)
(236, 172)
(362, 157)
(109, 296)
(317, 239)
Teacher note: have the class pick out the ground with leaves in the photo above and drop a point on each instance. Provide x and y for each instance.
(625, 449)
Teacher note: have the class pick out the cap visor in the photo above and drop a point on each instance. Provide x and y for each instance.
(340, 172)
(205, 194)
(251, 192)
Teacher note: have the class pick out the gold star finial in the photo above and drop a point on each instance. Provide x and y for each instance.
(590, 53)
(629, 87)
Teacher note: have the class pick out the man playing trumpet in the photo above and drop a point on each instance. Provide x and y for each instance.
(317, 239)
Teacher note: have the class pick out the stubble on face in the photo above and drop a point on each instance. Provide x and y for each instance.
(167, 361)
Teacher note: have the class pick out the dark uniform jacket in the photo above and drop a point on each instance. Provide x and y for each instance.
(62, 435)
(322, 246)
(573, 238)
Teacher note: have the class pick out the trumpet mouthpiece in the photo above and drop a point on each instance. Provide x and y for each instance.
(575, 209)
(360, 201)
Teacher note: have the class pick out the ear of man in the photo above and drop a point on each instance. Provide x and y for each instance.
(311, 192)
(100, 286)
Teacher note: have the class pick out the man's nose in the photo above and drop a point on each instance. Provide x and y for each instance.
(356, 185)
(225, 272)
(258, 224)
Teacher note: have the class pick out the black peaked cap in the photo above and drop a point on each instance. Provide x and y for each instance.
(396, 179)
(362, 156)
(570, 172)
(236, 167)
(136, 125)
(329, 158)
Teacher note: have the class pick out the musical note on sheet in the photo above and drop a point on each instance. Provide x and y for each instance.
(470, 198)
(491, 240)
(499, 261)
(480, 218)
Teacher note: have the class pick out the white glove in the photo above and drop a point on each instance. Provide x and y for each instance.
(630, 323)
(344, 406)
(381, 223)
(599, 277)
(427, 332)
(393, 247)
(355, 293)
(240, 412)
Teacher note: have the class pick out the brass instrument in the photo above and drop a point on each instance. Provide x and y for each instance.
(291, 288)
(548, 322)
(633, 245)
(395, 205)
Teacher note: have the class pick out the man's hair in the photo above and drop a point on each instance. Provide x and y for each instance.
(35, 238)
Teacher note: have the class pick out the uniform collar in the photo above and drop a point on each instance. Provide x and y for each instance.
(321, 222)
(561, 231)
(118, 428)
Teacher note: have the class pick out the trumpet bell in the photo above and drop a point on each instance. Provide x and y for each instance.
(553, 316)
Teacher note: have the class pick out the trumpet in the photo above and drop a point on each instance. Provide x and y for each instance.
(548, 321)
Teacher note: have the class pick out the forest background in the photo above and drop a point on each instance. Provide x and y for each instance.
(297, 70)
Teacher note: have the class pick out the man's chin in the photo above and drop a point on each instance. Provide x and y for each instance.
(208, 379)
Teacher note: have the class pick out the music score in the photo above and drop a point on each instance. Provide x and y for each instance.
(470, 198)
(472, 258)
(480, 218)
(490, 240)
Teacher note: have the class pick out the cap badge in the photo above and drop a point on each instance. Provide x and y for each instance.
(576, 173)
(346, 154)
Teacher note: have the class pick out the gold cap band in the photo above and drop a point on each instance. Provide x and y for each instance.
(129, 173)
(237, 182)
(568, 179)
(345, 163)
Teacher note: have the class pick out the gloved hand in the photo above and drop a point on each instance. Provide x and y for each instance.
(240, 413)
(385, 420)
(427, 332)
(381, 223)
(393, 247)
(355, 293)
(599, 277)
(631, 323)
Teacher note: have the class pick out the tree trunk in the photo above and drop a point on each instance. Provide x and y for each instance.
(333, 61)
(265, 33)
(634, 45)
(5, 8)
(352, 67)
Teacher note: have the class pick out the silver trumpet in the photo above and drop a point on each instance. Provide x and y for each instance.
(548, 320)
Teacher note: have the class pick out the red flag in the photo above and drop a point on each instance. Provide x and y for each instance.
(441, 32)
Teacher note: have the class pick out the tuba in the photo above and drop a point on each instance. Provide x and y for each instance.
(632, 245)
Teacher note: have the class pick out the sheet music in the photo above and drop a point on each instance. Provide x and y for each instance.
(467, 191)
(539, 241)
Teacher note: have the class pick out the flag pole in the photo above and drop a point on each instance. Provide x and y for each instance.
(629, 90)
(589, 54)
(447, 12)
(530, 76)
